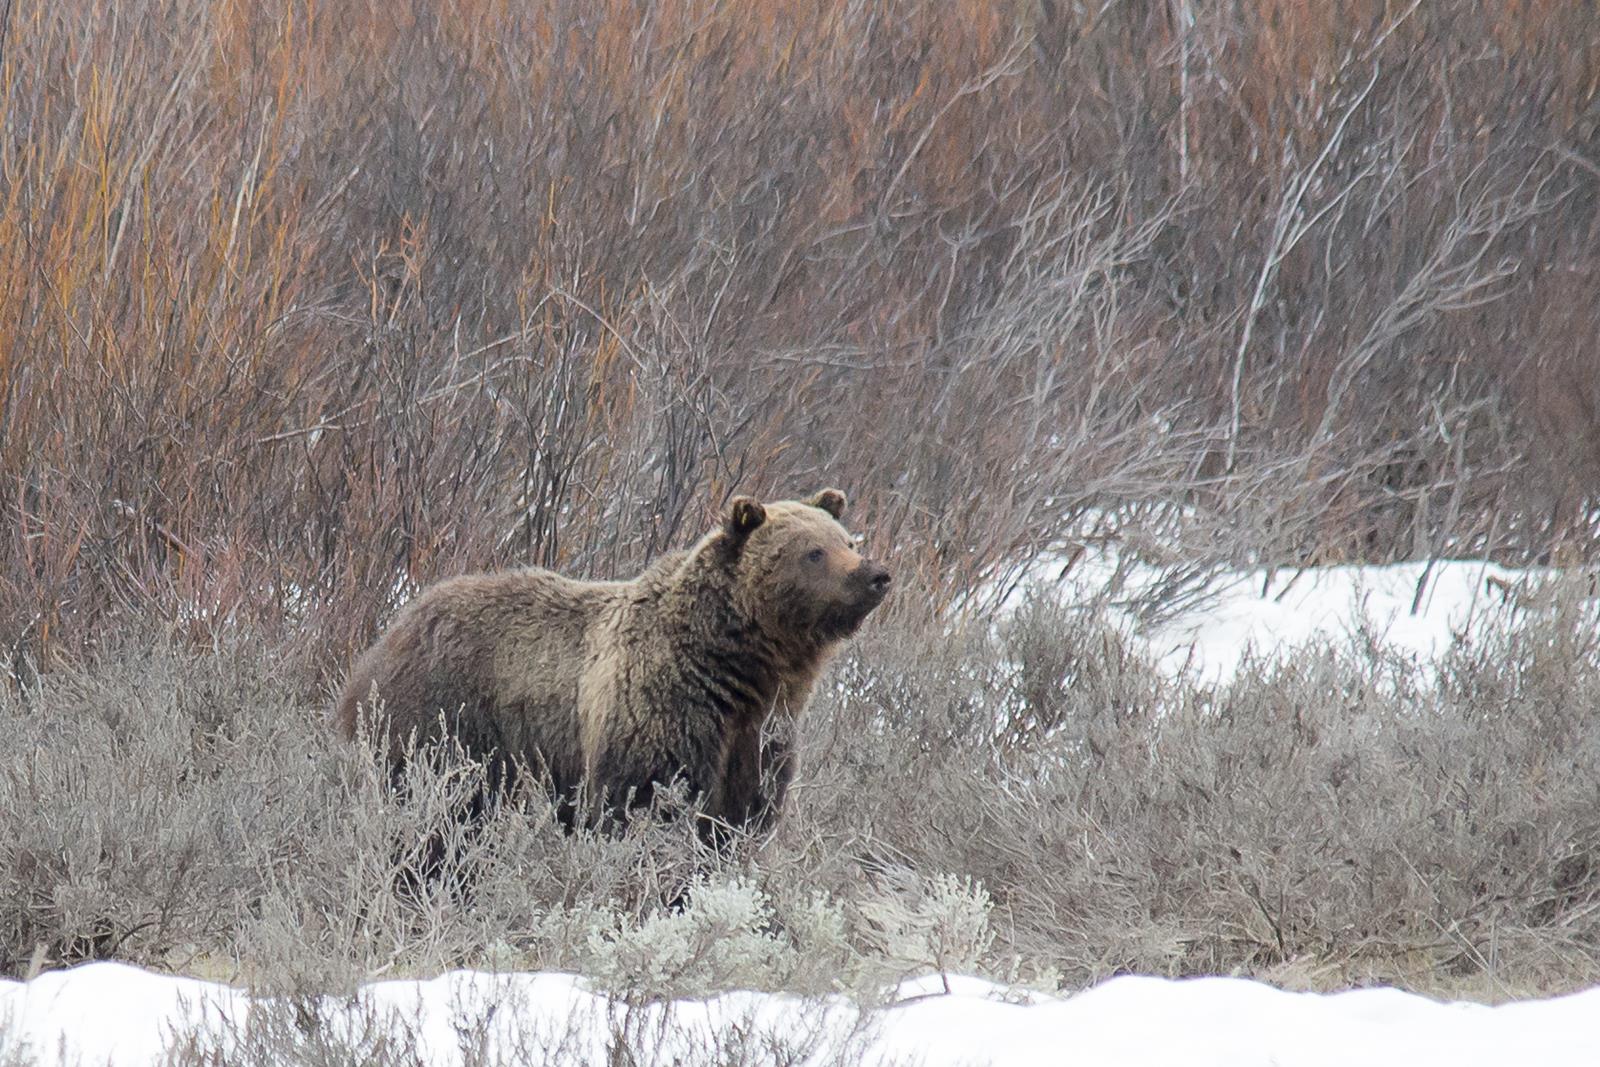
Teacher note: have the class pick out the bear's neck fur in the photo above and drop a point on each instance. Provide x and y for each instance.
(711, 622)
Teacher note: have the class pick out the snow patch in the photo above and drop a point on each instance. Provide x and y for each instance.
(107, 1013)
(1414, 610)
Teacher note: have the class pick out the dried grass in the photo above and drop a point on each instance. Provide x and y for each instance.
(1037, 804)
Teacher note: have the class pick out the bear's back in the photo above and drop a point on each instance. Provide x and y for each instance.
(497, 655)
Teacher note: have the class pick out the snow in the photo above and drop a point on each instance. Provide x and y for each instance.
(1264, 613)
(108, 1013)
(1274, 613)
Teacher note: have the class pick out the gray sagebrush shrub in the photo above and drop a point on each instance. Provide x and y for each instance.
(1333, 814)
(139, 800)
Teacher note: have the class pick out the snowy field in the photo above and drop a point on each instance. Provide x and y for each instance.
(112, 1014)
(106, 1013)
(1411, 609)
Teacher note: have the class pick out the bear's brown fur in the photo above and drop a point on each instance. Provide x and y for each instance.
(620, 686)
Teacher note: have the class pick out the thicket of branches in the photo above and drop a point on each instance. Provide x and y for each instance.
(303, 302)
(1033, 802)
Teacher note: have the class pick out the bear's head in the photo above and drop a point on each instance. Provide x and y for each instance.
(797, 571)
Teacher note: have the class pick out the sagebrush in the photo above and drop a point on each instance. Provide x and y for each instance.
(1036, 802)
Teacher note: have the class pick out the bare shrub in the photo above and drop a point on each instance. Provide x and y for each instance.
(331, 301)
(492, 1022)
(136, 825)
(1335, 816)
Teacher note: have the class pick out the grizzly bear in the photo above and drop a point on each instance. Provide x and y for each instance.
(610, 689)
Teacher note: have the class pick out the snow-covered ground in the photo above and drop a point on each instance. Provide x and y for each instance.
(1288, 609)
(110, 1014)
(1414, 609)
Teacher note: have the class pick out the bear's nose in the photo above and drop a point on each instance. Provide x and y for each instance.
(878, 578)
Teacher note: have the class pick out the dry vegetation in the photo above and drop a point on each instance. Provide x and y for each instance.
(1036, 804)
(303, 304)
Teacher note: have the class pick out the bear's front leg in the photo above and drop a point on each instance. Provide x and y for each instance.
(777, 770)
(756, 779)
(738, 800)
(624, 775)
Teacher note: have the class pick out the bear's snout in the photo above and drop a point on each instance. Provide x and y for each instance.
(875, 577)
(878, 577)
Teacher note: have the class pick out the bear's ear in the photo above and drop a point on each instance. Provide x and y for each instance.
(744, 515)
(830, 500)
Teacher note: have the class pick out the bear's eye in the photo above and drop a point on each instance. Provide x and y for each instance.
(814, 556)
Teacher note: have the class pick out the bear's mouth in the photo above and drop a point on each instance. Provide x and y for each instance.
(845, 619)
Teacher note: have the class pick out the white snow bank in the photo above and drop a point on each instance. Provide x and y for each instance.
(1272, 613)
(107, 1013)
(1289, 609)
